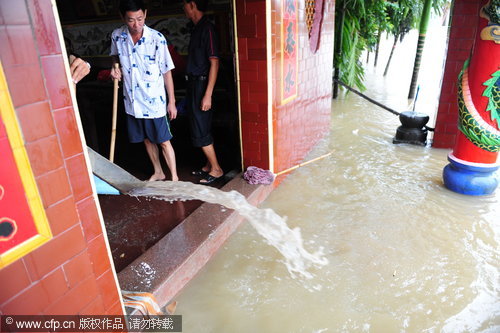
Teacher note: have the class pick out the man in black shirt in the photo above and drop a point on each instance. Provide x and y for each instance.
(202, 67)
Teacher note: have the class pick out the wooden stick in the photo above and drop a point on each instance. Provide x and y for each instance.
(113, 121)
(304, 163)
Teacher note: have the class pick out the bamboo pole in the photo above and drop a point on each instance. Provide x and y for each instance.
(304, 163)
(113, 121)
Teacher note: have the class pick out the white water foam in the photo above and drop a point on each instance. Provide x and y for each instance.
(266, 222)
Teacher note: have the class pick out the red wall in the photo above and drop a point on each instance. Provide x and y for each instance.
(72, 273)
(463, 31)
(251, 26)
(299, 124)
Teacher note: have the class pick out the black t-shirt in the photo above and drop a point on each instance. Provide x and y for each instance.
(203, 45)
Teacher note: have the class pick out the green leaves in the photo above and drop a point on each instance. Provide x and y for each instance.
(358, 22)
(361, 21)
(492, 91)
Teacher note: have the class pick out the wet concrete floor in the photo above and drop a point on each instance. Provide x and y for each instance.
(134, 224)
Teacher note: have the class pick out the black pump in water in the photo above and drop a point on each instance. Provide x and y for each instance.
(413, 128)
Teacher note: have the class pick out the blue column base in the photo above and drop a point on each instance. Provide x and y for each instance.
(470, 179)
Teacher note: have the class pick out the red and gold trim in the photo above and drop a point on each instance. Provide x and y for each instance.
(289, 50)
(24, 225)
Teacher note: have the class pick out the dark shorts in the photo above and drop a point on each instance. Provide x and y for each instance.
(157, 130)
(200, 121)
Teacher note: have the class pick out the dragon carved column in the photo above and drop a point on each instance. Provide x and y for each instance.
(474, 161)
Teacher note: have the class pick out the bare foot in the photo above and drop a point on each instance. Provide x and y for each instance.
(156, 177)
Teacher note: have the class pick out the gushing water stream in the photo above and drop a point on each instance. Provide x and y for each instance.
(265, 221)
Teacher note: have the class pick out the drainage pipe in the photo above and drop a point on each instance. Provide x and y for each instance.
(371, 100)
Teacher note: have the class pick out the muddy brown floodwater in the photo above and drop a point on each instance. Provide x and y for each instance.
(405, 254)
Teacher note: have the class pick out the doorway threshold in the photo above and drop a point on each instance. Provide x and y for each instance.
(166, 267)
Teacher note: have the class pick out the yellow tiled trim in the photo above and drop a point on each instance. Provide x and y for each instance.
(14, 135)
(238, 81)
(270, 83)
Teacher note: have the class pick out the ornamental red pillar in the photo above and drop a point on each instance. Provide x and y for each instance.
(474, 161)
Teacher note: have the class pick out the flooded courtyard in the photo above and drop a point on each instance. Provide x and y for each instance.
(405, 254)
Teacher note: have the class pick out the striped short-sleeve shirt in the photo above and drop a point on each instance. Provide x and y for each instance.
(143, 66)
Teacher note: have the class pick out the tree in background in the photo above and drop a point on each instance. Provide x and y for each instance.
(402, 16)
(358, 27)
(438, 5)
(357, 24)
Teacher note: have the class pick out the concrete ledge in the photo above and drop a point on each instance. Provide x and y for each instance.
(171, 263)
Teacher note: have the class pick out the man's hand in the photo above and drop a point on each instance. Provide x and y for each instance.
(206, 103)
(78, 68)
(116, 73)
(172, 111)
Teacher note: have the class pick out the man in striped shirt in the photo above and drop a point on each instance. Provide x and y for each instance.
(146, 68)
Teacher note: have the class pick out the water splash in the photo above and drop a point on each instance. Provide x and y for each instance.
(145, 273)
(266, 222)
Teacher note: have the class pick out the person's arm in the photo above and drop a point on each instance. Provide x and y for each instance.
(169, 84)
(206, 102)
(79, 68)
(116, 73)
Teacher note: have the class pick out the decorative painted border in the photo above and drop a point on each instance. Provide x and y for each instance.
(473, 164)
(471, 123)
(38, 218)
(289, 50)
(472, 108)
(315, 32)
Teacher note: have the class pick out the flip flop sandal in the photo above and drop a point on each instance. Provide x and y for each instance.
(209, 179)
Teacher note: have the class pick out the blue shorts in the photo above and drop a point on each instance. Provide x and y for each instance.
(157, 130)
